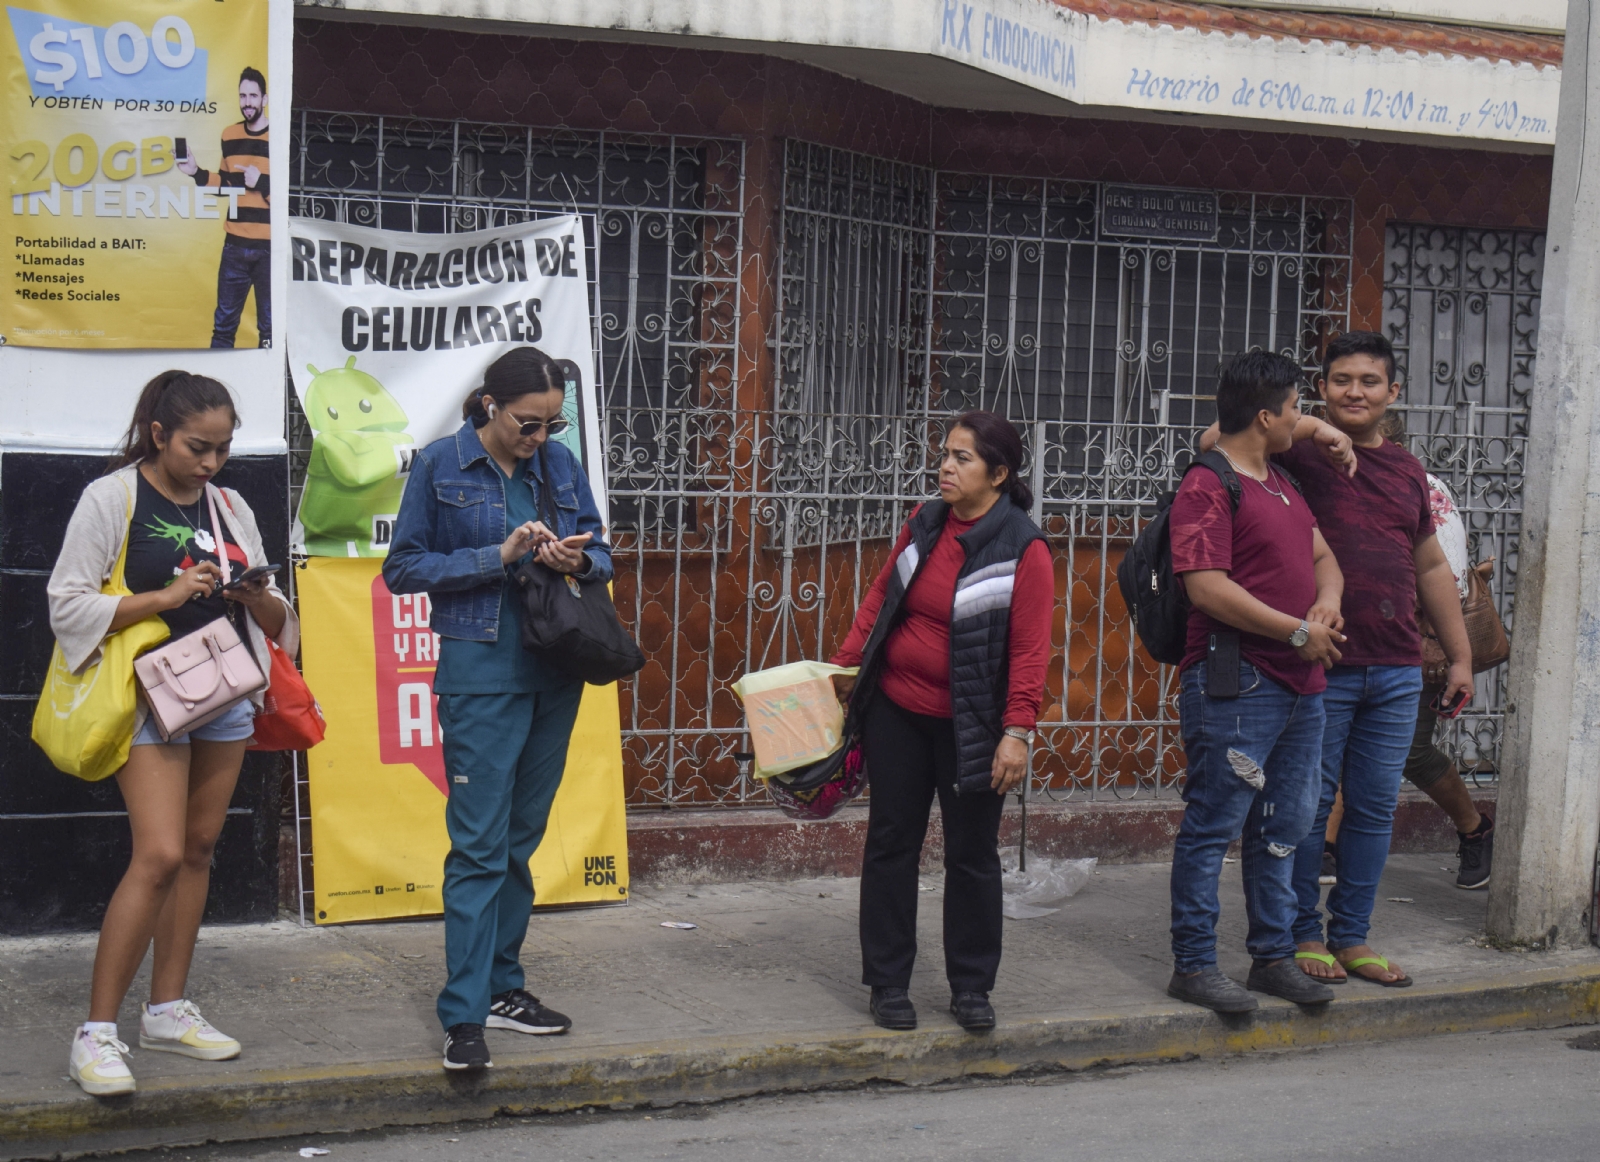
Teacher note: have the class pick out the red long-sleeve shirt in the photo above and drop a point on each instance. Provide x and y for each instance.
(916, 671)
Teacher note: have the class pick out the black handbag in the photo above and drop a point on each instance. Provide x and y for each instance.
(572, 623)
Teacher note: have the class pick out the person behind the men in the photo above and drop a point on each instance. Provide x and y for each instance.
(155, 505)
(1378, 521)
(470, 513)
(1262, 576)
(952, 639)
(247, 239)
(1428, 768)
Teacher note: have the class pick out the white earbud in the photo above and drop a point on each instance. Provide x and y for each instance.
(489, 409)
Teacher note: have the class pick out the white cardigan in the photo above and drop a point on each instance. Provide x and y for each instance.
(80, 614)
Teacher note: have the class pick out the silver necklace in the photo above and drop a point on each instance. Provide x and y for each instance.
(1279, 493)
(201, 535)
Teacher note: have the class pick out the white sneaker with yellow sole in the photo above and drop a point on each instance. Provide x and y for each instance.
(183, 1030)
(96, 1063)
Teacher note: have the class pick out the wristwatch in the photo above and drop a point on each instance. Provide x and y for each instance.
(1301, 636)
(1021, 735)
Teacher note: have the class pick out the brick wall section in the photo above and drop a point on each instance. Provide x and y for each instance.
(1344, 28)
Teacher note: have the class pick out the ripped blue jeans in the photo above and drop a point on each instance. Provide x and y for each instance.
(1254, 773)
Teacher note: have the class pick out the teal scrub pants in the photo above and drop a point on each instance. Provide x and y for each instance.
(504, 755)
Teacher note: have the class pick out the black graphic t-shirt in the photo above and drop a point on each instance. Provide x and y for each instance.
(164, 540)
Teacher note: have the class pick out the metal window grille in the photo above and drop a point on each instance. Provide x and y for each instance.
(749, 525)
(1101, 348)
(1105, 349)
(1462, 309)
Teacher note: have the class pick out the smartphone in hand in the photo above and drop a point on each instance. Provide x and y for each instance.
(250, 575)
(1439, 707)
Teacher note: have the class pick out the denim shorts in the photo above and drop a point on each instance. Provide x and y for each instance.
(235, 725)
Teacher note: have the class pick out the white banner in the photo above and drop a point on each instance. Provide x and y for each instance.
(389, 332)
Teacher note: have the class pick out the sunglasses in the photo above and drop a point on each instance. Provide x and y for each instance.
(534, 427)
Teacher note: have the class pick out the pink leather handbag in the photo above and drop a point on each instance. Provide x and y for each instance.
(202, 675)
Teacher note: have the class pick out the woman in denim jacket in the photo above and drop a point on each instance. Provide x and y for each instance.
(471, 512)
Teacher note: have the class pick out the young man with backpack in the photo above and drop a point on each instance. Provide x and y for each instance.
(1379, 522)
(1264, 591)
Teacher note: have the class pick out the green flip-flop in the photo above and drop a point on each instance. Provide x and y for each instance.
(1324, 958)
(1358, 962)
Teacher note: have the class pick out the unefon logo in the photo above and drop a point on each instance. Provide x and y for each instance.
(66, 59)
(599, 869)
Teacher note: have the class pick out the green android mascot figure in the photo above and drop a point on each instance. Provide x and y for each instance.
(359, 457)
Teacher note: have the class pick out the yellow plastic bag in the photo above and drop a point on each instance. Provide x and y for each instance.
(84, 721)
(793, 714)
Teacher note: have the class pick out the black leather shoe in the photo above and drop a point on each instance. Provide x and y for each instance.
(892, 1008)
(1283, 978)
(1212, 988)
(972, 1011)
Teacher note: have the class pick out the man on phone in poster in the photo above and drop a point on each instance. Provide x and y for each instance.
(247, 245)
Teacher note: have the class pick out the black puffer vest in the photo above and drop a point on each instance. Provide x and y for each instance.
(980, 618)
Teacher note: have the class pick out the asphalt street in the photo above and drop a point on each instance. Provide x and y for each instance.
(1450, 1099)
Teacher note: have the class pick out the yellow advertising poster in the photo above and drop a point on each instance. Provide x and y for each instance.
(136, 137)
(378, 784)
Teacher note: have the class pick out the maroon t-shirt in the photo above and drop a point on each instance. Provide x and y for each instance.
(1265, 548)
(1372, 522)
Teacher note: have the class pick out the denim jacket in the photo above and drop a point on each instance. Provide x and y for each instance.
(453, 520)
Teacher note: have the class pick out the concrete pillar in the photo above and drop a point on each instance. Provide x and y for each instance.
(1544, 863)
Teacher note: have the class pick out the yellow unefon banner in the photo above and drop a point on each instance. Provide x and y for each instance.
(378, 784)
(135, 136)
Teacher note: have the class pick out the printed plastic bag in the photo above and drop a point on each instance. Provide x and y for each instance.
(1047, 881)
(793, 714)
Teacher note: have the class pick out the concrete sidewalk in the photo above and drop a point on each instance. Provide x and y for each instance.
(339, 1030)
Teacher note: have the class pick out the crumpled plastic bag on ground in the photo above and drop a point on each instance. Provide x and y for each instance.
(1046, 881)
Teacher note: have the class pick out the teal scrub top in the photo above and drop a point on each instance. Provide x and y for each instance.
(501, 666)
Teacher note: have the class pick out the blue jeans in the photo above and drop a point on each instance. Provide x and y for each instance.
(235, 724)
(1372, 715)
(241, 268)
(504, 755)
(1252, 764)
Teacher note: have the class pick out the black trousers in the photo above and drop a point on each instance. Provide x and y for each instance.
(909, 758)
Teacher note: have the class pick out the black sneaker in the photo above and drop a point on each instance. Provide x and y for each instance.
(520, 1011)
(465, 1048)
(1477, 854)
(892, 1008)
(972, 1011)
(1212, 988)
(1283, 978)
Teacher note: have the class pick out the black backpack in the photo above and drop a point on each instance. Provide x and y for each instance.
(1156, 601)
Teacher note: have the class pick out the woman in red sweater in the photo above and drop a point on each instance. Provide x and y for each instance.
(952, 640)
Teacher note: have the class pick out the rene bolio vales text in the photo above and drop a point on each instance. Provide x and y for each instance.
(405, 327)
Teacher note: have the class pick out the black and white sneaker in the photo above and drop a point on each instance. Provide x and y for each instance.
(521, 1012)
(465, 1048)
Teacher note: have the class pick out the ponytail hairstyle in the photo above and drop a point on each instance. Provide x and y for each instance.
(520, 372)
(171, 399)
(1393, 427)
(999, 446)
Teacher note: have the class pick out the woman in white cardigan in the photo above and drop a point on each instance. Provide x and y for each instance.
(176, 791)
